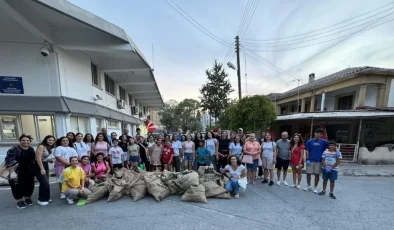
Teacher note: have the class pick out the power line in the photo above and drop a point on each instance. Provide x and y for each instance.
(196, 24)
(250, 19)
(273, 39)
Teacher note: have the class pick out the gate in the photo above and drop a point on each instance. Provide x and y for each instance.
(348, 152)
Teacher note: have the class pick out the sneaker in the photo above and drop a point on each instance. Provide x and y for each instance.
(285, 183)
(308, 189)
(278, 183)
(28, 202)
(70, 201)
(271, 183)
(43, 203)
(21, 205)
(298, 186)
(49, 201)
(236, 196)
(292, 186)
(315, 191)
(265, 181)
(332, 196)
(62, 196)
(322, 193)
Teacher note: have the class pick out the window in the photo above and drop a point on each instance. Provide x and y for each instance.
(122, 94)
(99, 125)
(130, 100)
(144, 109)
(109, 85)
(113, 124)
(345, 103)
(79, 124)
(45, 126)
(95, 76)
(9, 128)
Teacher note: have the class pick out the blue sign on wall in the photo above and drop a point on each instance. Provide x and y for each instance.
(11, 85)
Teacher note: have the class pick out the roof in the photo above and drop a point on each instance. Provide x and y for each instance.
(337, 114)
(341, 75)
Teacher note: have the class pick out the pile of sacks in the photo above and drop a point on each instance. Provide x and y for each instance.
(193, 186)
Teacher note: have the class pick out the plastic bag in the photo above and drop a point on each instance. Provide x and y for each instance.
(242, 183)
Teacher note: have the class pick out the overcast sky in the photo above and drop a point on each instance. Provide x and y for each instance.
(182, 52)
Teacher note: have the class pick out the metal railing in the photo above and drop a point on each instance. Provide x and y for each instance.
(348, 151)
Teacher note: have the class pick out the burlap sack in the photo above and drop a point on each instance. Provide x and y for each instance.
(7, 173)
(186, 179)
(156, 187)
(225, 195)
(98, 192)
(195, 194)
(139, 189)
(212, 189)
(168, 179)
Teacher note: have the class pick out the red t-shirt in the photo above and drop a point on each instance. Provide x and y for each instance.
(168, 152)
(296, 155)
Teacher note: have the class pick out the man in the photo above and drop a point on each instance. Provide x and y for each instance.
(138, 131)
(126, 132)
(177, 146)
(219, 135)
(104, 131)
(314, 151)
(179, 135)
(282, 157)
(143, 152)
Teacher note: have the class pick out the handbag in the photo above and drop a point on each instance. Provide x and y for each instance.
(242, 183)
(248, 159)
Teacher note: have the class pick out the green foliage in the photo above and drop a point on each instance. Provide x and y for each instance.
(216, 90)
(167, 115)
(183, 115)
(251, 113)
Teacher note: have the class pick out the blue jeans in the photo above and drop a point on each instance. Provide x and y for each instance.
(232, 186)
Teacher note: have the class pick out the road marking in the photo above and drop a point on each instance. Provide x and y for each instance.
(8, 188)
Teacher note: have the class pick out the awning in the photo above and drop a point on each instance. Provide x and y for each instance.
(116, 115)
(337, 114)
(23, 104)
(86, 108)
(129, 119)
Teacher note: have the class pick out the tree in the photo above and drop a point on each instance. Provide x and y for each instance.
(168, 115)
(215, 92)
(251, 113)
(187, 113)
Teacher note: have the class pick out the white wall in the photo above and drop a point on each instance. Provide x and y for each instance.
(371, 96)
(391, 95)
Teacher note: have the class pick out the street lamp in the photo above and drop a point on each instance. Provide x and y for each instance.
(231, 66)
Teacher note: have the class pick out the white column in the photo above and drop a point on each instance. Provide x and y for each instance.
(60, 125)
(132, 130)
(93, 124)
(323, 100)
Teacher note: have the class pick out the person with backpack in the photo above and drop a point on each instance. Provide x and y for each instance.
(73, 184)
(22, 159)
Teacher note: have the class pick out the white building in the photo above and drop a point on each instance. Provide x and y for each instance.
(205, 121)
(91, 75)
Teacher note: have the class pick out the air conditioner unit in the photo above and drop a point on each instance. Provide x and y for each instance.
(121, 104)
(134, 110)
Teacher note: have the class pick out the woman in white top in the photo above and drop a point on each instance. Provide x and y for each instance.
(63, 153)
(237, 171)
(236, 147)
(268, 148)
(81, 147)
(188, 152)
(213, 147)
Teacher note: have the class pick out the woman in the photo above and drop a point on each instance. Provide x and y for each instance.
(87, 168)
(155, 155)
(244, 139)
(71, 138)
(81, 147)
(177, 147)
(74, 182)
(223, 155)
(43, 157)
(167, 155)
(133, 152)
(212, 145)
(237, 171)
(63, 153)
(183, 138)
(151, 141)
(123, 144)
(113, 137)
(100, 168)
(115, 154)
(252, 152)
(297, 149)
(100, 145)
(268, 159)
(197, 138)
(202, 154)
(188, 152)
(89, 140)
(143, 152)
(22, 157)
(235, 148)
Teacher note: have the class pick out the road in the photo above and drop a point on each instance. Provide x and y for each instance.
(362, 203)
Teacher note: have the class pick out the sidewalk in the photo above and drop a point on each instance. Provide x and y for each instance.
(353, 169)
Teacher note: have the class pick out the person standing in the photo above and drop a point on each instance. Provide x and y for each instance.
(188, 152)
(268, 158)
(81, 147)
(155, 155)
(126, 132)
(282, 157)
(134, 153)
(223, 151)
(177, 146)
(123, 144)
(202, 155)
(252, 152)
(143, 152)
(107, 137)
(260, 169)
(43, 157)
(23, 158)
(331, 159)
(297, 159)
(236, 147)
(314, 151)
(179, 136)
(212, 146)
(115, 153)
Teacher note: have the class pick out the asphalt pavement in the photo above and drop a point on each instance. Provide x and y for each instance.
(362, 203)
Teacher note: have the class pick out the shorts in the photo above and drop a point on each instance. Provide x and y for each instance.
(268, 162)
(124, 157)
(118, 166)
(135, 159)
(282, 164)
(253, 166)
(314, 168)
(188, 157)
(332, 176)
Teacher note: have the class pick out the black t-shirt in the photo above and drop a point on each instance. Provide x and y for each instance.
(123, 146)
(224, 146)
(142, 149)
(27, 159)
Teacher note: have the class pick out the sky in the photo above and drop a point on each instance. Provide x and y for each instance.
(182, 53)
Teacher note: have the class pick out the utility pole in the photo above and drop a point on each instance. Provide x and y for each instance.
(238, 67)
(298, 98)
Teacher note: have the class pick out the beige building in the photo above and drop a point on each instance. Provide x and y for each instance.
(355, 106)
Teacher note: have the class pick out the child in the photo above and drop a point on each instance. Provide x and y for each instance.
(115, 153)
(133, 152)
(202, 155)
(167, 155)
(331, 159)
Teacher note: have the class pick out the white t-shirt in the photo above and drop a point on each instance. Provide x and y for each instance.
(116, 153)
(82, 149)
(268, 149)
(176, 145)
(235, 173)
(236, 149)
(65, 153)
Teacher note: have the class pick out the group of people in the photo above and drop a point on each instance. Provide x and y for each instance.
(80, 160)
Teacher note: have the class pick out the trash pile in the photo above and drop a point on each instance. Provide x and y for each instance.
(193, 186)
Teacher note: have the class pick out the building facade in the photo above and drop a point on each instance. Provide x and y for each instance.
(353, 106)
(63, 69)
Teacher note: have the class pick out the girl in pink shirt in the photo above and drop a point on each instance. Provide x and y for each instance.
(251, 155)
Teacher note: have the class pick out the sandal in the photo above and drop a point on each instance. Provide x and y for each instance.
(236, 196)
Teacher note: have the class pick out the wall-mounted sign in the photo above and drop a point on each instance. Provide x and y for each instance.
(11, 85)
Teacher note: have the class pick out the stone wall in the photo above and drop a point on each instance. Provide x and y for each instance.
(379, 156)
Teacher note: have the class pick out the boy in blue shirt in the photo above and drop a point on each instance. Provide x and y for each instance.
(202, 154)
(314, 150)
(331, 159)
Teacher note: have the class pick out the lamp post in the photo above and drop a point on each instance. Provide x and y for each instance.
(232, 66)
